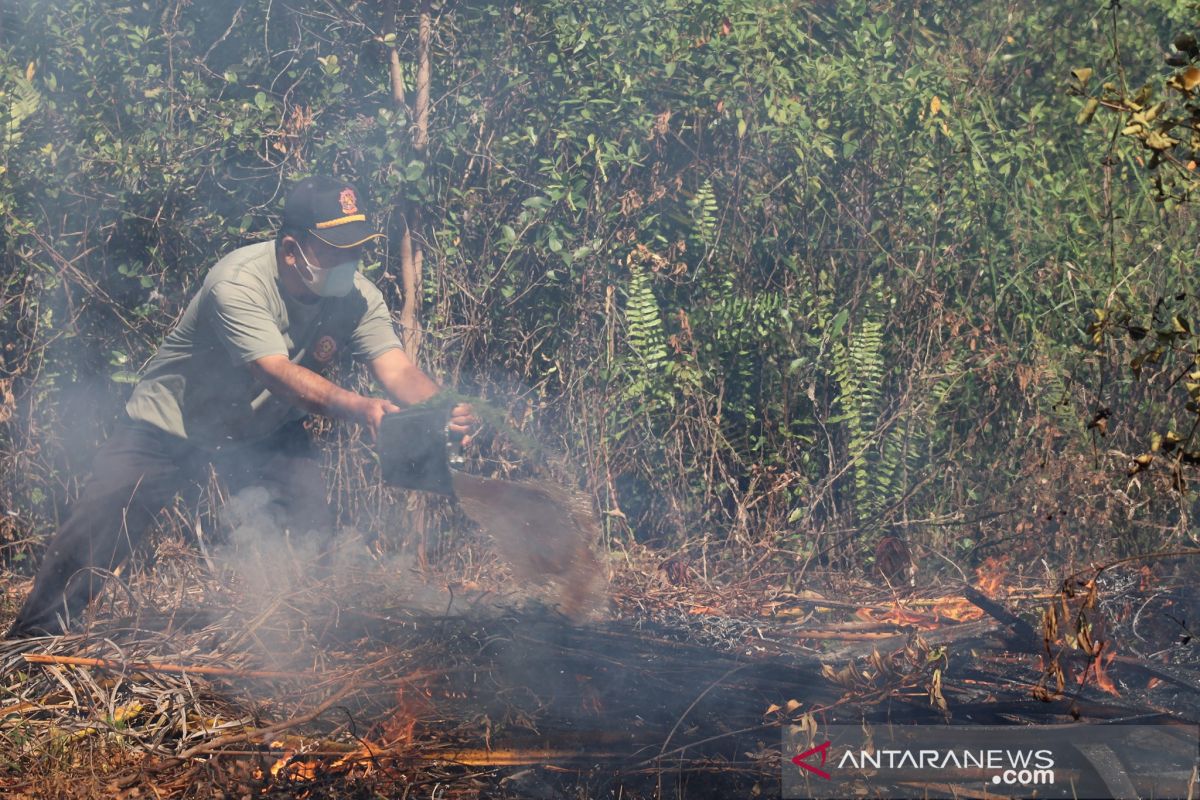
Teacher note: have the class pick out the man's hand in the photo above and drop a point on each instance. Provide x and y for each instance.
(463, 420)
(407, 384)
(372, 412)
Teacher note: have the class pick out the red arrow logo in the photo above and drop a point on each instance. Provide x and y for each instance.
(823, 749)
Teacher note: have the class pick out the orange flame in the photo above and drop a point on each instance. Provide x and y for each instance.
(1099, 667)
(399, 728)
(990, 574)
(955, 609)
(291, 766)
(902, 615)
(958, 610)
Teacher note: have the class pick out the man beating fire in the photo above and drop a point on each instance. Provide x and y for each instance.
(230, 386)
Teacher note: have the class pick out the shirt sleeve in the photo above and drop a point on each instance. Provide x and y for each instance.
(375, 334)
(243, 323)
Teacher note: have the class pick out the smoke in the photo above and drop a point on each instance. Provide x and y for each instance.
(276, 566)
(261, 552)
(268, 564)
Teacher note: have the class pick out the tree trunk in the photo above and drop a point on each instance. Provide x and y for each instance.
(412, 254)
(397, 77)
(411, 258)
(421, 139)
(395, 73)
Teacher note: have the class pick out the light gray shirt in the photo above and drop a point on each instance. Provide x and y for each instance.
(198, 385)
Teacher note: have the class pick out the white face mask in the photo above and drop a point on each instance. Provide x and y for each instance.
(337, 281)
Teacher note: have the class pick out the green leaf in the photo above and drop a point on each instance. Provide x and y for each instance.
(839, 323)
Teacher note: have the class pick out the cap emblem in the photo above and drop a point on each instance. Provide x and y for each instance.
(349, 201)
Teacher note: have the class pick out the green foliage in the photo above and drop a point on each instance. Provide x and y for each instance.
(1161, 115)
(858, 369)
(704, 212)
(20, 100)
(767, 270)
(648, 370)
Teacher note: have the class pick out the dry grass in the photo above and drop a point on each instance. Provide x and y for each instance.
(88, 730)
(384, 680)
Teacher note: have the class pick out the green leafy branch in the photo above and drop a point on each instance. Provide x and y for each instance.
(1162, 116)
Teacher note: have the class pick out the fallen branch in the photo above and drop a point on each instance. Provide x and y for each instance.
(226, 672)
(1022, 631)
(178, 669)
(850, 636)
(509, 757)
(1099, 568)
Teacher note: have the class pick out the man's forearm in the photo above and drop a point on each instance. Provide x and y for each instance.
(411, 386)
(403, 380)
(407, 384)
(306, 389)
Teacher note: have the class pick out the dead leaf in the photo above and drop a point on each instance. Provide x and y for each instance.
(1157, 140)
(1087, 112)
(1186, 79)
(935, 691)
(8, 404)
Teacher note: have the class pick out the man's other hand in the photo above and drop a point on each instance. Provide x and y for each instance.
(371, 412)
(463, 421)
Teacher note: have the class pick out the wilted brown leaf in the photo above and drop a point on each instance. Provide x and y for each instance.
(1186, 79)
(1088, 111)
(936, 697)
(8, 404)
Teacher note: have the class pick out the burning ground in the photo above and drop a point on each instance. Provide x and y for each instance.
(378, 682)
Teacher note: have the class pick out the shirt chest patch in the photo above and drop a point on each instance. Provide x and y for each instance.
(324, 349)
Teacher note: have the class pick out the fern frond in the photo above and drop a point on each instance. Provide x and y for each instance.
(859, 369)
(646, 335)
(704, 212)
(22, 101)
(649, 368)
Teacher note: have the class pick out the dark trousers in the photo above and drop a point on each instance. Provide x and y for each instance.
(137, 472)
